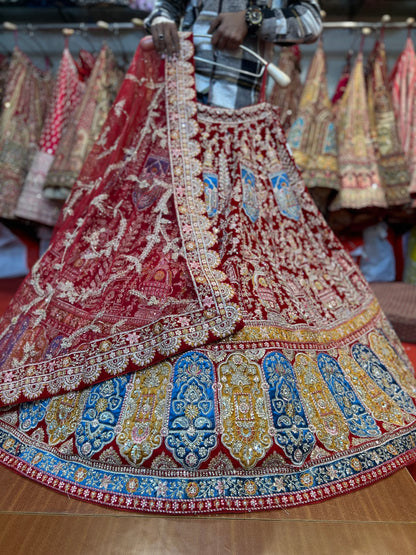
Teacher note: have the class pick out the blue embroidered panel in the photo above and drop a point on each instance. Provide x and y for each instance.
(30, 414)
(289, 418)
(211, 193)
(192, 434)
(359, 421)
(100, 416)
(250, 200)
(379, 373)
(284, 195)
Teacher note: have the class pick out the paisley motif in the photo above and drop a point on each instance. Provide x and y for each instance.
(321, 409)
(100, 416)
(381, 406)
(359, 421)
(142, 417)
(376, 369)
(243, 410)
(292, 433)
(191, 427)
(390, 359)
(62, 415)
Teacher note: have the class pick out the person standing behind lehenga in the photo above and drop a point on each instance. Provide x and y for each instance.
(257, 25)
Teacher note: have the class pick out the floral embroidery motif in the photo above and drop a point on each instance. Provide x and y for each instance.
(192, 433)
(382, 407)
(391, 360)
(243, 410)
(62, 415)
(322, 411)
(100, 416)
(359, 421)
(373, 366)
(292, 430)
(30, 414)
(142, 416)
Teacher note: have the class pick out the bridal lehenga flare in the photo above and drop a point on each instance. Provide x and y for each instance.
(195, 339)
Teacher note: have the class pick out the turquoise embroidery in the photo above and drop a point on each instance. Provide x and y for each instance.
(100, 416)
(359, 421)
(211, 193)
(289, 418)
(379, 373)
(192, 434)
(30, 414)
(250, 200)
(284, 195)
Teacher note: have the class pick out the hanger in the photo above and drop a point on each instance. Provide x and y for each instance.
(276, 73)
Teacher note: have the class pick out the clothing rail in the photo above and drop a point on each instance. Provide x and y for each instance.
(134, 24)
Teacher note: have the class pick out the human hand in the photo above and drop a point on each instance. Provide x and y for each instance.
(228, 29)
(165, 36)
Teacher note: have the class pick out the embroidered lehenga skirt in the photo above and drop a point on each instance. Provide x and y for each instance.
(196, 339)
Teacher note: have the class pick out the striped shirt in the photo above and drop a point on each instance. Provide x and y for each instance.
(286, 22)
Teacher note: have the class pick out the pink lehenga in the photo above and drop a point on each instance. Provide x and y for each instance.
(195, 339)
(67, 94)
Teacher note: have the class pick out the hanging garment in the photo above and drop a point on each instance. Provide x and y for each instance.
(343, 81)
(403, 83)
(312, 136)
(83, 129)
(196, 339)
(67, 95)
(390, 156)
(361, 186)
(4, 67)
(27, 94)
(287, 98)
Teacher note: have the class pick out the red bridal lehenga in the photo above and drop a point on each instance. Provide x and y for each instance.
(195, 339)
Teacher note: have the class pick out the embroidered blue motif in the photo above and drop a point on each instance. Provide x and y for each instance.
(289, 418)
(359, 421)
(30, 414)
(284, 195)
(100, 416)
(379, 373)
(192, 434)
(211, 193)
(250, 200)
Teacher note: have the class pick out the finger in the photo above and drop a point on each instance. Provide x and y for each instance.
(171, 40)
(158, 38)
(214, 24)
